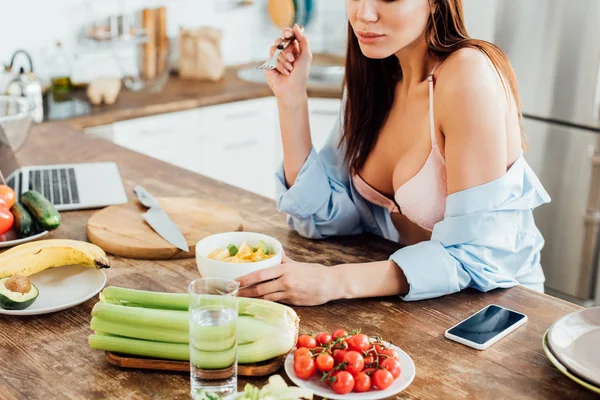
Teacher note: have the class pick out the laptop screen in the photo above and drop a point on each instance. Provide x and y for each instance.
(8, 161)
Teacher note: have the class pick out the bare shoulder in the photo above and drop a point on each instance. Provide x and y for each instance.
(467, 72)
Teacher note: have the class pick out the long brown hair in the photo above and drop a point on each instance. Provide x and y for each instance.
(370, 83)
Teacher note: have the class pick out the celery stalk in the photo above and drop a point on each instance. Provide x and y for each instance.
(177, 320)
(212, 359)
(146, 299)
(139, 331)
(145, 348)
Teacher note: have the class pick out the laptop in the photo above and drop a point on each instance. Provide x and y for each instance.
(67, 186)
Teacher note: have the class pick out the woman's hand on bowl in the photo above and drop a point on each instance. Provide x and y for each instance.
(300, 284)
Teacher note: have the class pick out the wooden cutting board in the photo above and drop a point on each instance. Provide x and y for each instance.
(125, 361)
(121, 230)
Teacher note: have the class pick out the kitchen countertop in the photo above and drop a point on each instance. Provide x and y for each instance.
(48, 356)
(184, 94)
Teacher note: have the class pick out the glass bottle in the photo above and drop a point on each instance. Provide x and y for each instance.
(60, 74)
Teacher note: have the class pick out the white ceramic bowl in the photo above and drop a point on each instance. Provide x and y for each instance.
(218, 269)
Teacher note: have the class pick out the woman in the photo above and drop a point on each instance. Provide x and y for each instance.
(427, 153)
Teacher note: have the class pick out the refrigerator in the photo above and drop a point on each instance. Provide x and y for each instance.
(554, 48)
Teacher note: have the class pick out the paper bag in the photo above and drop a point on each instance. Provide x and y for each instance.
(200, 54)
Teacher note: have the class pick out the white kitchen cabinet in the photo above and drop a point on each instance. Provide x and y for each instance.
(238, 143)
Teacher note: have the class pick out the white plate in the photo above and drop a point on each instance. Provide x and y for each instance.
(11, 239)
(61, 288)
(574, 339)
(406, 377)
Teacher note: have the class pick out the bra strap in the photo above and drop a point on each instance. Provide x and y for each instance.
(431, 119)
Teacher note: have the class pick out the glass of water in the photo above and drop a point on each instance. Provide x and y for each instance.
(213, 346)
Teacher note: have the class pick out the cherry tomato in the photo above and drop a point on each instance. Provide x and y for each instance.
(387, 353)
(391, 365)
(382, 378)
(359, 343)
(369, 359)
(306, 341)
(379, 348)
(8, 195)
(304, 367)
(341, 346)
(324, 362)
(362, 382)
(369, 371)
(6, 220)
(323, 338)
(355, 362)
(302, 351)
(338, 356)
(343, 382)
(339, 333)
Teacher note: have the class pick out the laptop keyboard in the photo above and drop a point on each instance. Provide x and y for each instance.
(57, 185)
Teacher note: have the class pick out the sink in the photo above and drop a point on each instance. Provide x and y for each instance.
(319, 76)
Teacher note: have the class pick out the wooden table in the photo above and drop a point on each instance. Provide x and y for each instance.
(48, 357)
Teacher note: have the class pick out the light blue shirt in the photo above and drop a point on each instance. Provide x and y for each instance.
(487, 239)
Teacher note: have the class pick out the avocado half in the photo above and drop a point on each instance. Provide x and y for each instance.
(10, 300)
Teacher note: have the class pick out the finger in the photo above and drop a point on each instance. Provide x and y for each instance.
(277, 296)
(282, 69)
(261, 275)
(262, 289)
(300, 37)
(288, 53)
(284, 61)
(287, 32)
(295, 48)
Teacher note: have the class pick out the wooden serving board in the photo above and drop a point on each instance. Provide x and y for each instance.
(121, 230)
(125, 361)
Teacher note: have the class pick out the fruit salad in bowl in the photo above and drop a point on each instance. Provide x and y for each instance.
(231, 255)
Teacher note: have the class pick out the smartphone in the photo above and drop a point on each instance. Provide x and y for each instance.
(486, 327)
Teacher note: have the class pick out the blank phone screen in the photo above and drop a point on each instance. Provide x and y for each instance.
(486, 324)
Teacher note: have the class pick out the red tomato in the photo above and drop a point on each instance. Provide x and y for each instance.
(339, 333)
(343, 382)
(382, 378)
(306, 341)
(304, 367)
(369, 359)
(324, 362)
(359, 343)
(387, 353)
(355, 362)
(391, 365)
(8, 195)
(369, 371)
(341, 345)
(6, 220)
(323, 338)
(302, 351)
(338, 356)
(362, 382)
(379, 348)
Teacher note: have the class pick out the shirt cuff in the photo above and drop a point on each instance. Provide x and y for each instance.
(430, 271)
(310, 191)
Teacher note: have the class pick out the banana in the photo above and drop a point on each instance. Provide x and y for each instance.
(33, 257)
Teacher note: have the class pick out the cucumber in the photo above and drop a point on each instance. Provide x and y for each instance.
(44, 212)
(24, 224)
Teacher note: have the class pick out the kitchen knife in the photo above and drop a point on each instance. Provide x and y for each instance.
(159, 220)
